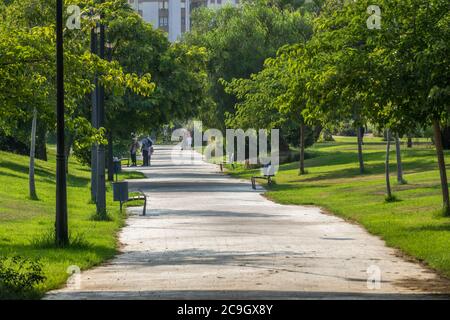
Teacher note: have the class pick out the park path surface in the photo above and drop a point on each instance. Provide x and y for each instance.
(210, 236)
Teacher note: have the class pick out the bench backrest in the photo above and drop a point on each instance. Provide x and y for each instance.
(268, 170)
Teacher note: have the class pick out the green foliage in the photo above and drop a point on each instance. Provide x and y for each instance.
(325, 136)
(46, 240)
(238, 40)
(19, 275)
(27, 66)
(178, 71)
(23, 221)
(394, 77)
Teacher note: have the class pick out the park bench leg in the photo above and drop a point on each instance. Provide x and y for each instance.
(145, 206)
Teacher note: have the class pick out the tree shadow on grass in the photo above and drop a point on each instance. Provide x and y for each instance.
(54, 253)
(289, 187)
(370, 169)
(42, 174)
(441, 227)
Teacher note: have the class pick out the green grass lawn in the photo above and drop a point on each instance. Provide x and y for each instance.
(23, 222)
(412, 224)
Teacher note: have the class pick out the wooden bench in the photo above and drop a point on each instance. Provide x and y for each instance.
(267, 173)
(221, 166)
(124, 157)
(141, 196)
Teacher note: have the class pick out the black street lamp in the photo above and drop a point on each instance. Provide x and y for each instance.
(101, 161)
(94, 50)
(61, 229)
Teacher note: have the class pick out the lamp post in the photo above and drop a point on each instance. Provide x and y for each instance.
(110, 162)
(101, 181)
(61, 229)
(94, 48)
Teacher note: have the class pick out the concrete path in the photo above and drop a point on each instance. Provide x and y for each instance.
(210, 236)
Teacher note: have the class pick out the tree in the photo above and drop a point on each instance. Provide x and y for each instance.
(32, 183)
(389, 196)
(399, 73)
(400, 179)
(413, 56)
(272, 99)
(27, 69)
(238, 41)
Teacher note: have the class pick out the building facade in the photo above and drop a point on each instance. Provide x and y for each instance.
(173, 16)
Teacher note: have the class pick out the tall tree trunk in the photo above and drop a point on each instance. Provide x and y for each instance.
(362, 130)
(302, 149)
(360, 153)
(388, 182)
(67, 147)
(445, 133)
(32, 181)
(110, 157)
(409, 144)
(41, 141)
(442, 169)
(94, 122)
(400, 179)
(317, 131)
(94, 173)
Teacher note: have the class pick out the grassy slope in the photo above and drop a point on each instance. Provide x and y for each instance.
(332, 182)
(22, 221)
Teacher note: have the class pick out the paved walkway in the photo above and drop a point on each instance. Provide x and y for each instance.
(207, 235)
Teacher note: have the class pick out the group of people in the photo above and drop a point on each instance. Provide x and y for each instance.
(186, 143)
(146, 146)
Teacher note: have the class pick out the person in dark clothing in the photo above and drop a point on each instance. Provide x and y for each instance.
(134, 147)
(147, 145)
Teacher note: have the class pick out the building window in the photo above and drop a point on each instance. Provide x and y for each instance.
(163, 21)
(183, 19)
(164, 5)
(164, 15)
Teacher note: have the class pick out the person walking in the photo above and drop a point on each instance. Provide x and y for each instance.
(134, 147)
(189, 141)
(147, 146)
(150, 153)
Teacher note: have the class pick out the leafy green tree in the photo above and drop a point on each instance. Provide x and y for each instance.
(238, 41)
(413, 55)
(28, 73)
(178, 71)
(396, 76)
(274, 98)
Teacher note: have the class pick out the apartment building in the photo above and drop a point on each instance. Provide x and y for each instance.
(173, 16)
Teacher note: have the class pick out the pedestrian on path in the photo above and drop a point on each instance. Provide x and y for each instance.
(134, 147)
(189, 141)
(147, 146)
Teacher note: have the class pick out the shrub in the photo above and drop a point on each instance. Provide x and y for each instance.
(47, 241)
(325, 136)
(19, 276)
